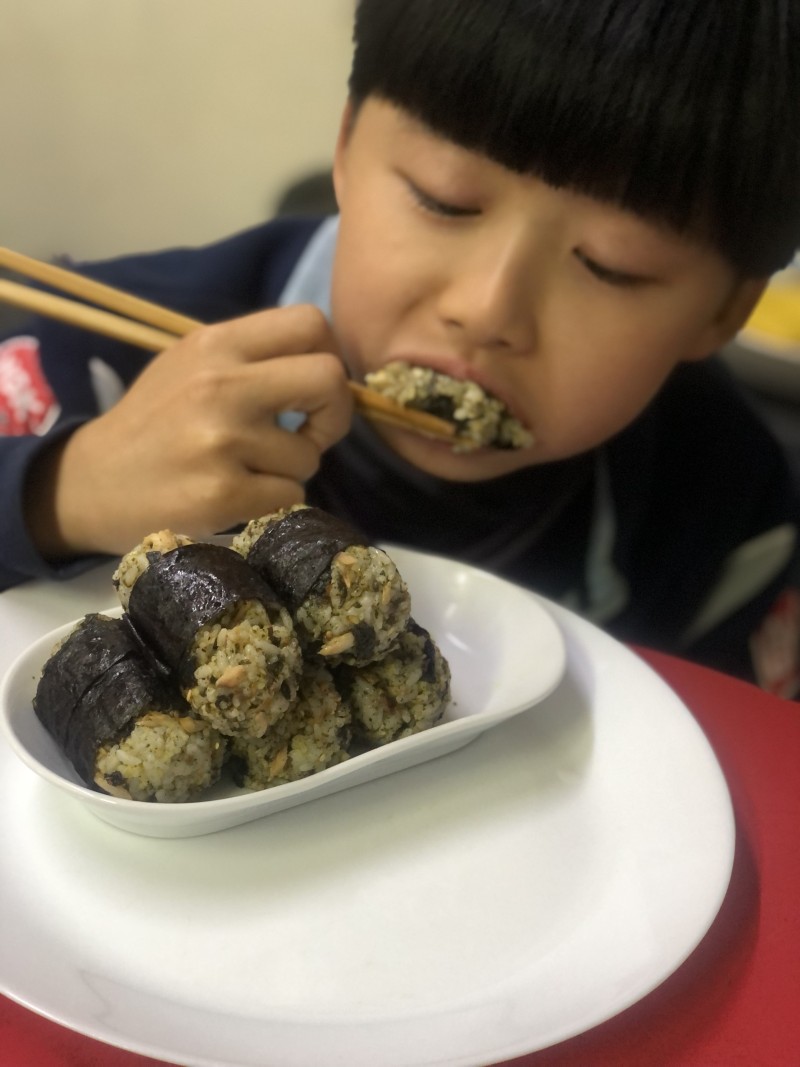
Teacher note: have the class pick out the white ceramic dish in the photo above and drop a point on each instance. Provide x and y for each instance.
(505, 651)
(513, 894)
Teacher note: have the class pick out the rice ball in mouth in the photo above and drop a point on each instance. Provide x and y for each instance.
(481, 420)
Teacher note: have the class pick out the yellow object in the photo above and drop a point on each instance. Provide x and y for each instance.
(777, 314)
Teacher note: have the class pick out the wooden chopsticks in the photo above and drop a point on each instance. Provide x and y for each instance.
(97, 293)
(152, 327)
(90, 318)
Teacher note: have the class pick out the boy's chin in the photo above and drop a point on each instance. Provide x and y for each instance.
(439, 459)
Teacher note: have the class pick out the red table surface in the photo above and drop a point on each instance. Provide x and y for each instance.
(734, 1003)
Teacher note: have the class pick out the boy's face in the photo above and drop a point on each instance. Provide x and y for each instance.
(571, 311)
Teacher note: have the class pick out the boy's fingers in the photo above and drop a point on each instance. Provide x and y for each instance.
(286, 331)
(280, 453)
(327, 424)
(296, 383)
(315, 385)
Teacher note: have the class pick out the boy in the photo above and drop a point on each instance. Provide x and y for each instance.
(574, 202)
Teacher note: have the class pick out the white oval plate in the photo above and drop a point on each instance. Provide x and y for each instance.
(506, 897)
(505, 651)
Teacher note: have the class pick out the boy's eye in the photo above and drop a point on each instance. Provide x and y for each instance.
(440, 207)
(620, 278)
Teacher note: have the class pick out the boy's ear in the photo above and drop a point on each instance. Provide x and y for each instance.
(342, 139)
(730, 318)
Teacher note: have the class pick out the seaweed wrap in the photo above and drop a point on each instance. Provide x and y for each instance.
(125, 731)
(217, 627)
(348, 601)
(314, 735)
(481, 420)
(404, 693)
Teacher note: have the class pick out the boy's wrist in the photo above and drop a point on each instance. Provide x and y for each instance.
(39, 503)
(54, 502)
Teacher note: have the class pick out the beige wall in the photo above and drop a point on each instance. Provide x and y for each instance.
(135, 124)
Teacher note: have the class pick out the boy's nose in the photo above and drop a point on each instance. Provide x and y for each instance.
(489, 303)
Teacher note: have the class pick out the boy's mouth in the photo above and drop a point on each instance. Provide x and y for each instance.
(482, 420)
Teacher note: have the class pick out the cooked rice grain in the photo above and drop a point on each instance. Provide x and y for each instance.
(247, 666)
(312, 736)
(165, 757)
(362, 611)
(405, 693)
(481, 420)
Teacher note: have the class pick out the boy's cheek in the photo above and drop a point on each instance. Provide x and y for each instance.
(346, 334)
(576, 419)
(359, 323)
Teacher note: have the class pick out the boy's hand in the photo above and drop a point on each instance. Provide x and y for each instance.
(194, 444)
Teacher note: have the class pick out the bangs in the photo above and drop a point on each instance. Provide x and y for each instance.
(664, 108)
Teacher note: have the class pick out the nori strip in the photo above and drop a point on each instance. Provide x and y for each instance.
(428, 651)
(425, 658)
(346, 673)
(444, 407)
(186, 589)
(95, 688)
(111, 708)
(295, 552)
(364, 641)
(96, 644)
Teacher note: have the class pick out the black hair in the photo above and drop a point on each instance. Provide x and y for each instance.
(684, 111)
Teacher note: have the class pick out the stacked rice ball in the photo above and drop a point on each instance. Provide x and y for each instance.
(278, 657)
